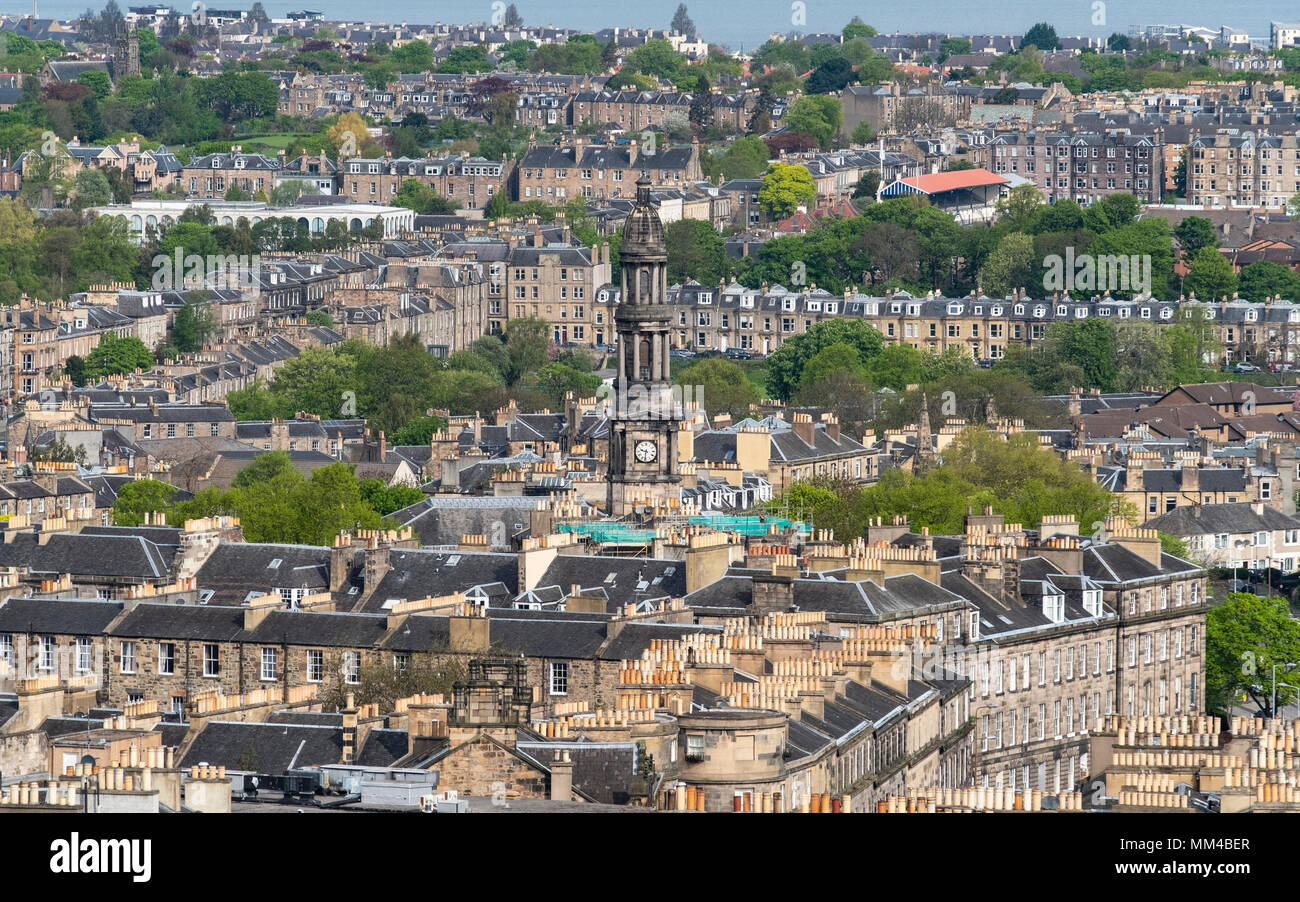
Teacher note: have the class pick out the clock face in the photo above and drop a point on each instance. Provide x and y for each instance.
(646, 452)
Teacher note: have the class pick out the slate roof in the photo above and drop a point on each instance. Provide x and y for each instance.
(88, 555)
(61, 617)
(319, 628)
(272, 746)
(237, 568)
(414, 573)
(171, 621)
(1234, 519)
(382, 747)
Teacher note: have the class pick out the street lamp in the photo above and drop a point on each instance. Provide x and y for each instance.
(1297, 689)
(1273, 706)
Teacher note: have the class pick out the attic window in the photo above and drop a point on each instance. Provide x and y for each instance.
(669, 571)
(453, 560)
(612, 576)
(274, 565)
(206, 595)
(390, 603)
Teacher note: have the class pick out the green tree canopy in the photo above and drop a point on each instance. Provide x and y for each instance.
(785, 186)
(1244, 637)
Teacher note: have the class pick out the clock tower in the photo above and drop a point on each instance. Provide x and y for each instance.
(646, 416)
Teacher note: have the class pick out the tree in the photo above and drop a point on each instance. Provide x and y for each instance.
(1118, 43)
(953, 46)
(264, 468)
(656, 57)
(1261, 280)
(863, 133)
(526, 344)
(385, 499)
(92, 189)
(720, 386)
(418, 431)
(423, 199)
(831, 76)
(746, 158)
(867, 185)
(143, 496)
(785, 186)
(682, 23)
(554, 380)
(466, 59)
(98, 83)
(786, 365)
(1019, 209)
(1005, 96)
(695, 251)
(857, 29)
(193, 327)
(117, 355)
(1009, 266)
(1194, 233)
(347, 134)
(413, 56)
(818, 116)
(1043, 36)
(1245, 637)
(1209, 275)
(701, 112)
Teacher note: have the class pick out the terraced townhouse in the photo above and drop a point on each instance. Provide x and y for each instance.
(758, 320)
(470, 181)
(600, 171)
(211, 176)
(1084, 166)
(1242, 167)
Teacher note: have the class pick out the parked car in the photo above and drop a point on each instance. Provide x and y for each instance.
(682, 353)
(1245, 368)
(738, 354)
(1282, 367)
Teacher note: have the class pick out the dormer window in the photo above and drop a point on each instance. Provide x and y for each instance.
(1252, 315)
(1092, 601)
(996, 311)
(974, 627)
(1020, 309)
(1040, 311)
(955, 309)
(1054, 608)
(1062, 310)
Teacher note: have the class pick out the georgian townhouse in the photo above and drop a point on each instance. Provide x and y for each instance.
(599, 171)
(1239, 167)
(163, 421)
(1083, 166)
(782, 452)
(1236, 535)
(558, 283)
(211, 176)
(880, 104)
(470, 181)
(543, 109)
(319, 174)
(1067, 631)
(34, 345)
(758, 320)
(636, 111)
